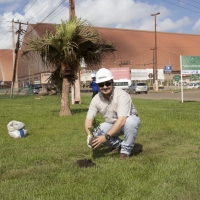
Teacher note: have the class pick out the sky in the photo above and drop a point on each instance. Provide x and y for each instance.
(177, 16)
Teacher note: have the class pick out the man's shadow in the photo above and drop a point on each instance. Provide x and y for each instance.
(104, 151)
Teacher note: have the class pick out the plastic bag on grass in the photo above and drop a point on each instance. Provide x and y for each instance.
(16, 129)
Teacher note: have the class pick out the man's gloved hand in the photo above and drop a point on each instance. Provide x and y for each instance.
(89, 137)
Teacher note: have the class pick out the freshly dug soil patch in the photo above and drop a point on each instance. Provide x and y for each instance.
(85, 163)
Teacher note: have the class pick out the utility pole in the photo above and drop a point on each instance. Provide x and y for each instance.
(75, 90)
(72, 9)
(156, 80)
(15, 68)
(13, 42)
(154, 73)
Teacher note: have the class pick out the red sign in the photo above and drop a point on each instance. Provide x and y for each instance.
(121, 73)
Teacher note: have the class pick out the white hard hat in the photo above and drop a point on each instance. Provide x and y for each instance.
(103, 75)
(93, 75)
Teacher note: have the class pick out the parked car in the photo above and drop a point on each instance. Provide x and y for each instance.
(183, 83)
(193, 86)
(35, 88)
(196, 85)
(190, 86)
(122, 84)
(137, 88)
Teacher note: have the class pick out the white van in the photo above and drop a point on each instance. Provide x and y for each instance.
(122, 83)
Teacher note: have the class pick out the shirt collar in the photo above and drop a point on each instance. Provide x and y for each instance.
(111, 96)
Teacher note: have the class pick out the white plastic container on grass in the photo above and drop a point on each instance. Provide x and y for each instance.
(16, 129)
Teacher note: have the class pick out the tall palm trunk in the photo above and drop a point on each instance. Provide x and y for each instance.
(65, 104)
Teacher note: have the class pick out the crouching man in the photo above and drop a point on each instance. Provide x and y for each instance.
(121, 117)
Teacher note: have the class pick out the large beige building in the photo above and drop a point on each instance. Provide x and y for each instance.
(134, 50)
(6, 65)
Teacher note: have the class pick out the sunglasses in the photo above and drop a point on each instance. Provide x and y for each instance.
(107, 83)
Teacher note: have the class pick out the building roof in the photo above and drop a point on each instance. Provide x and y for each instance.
(134, 46)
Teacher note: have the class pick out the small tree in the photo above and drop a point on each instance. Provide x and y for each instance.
(63, 51)
(95, 126)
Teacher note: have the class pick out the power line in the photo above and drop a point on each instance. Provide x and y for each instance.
(195, 1)
(18, 9)
(62, 1)
(45, 17)
(59, 11)
(19, 32)
(29, 8)
(181, 6)
(52, 12)
(4, 36)
(40, 9)
(38, 12)
(188, 4)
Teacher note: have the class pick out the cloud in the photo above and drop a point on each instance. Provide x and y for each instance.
(127, 14)
(196, 27)
(121, 14)
(169, 25)
(10, 5)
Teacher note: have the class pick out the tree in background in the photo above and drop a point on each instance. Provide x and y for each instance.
(62, 52)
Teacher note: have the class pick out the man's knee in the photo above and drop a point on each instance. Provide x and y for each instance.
(132, 122)
(104, 127)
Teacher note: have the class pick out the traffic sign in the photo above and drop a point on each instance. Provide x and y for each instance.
(167, 69)
(150, 75)
(190, 64)
(176, 78)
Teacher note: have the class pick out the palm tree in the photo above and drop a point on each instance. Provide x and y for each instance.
(73, 41)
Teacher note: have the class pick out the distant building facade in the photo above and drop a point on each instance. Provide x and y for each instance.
(133, 51)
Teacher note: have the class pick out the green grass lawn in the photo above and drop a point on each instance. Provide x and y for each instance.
(165, 163)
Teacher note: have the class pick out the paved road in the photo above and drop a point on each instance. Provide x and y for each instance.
(187, 95)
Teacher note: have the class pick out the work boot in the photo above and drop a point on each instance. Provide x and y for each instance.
(124, 156)
(115, 150)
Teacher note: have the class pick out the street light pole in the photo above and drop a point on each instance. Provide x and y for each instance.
(154, 77)
(156, 81)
